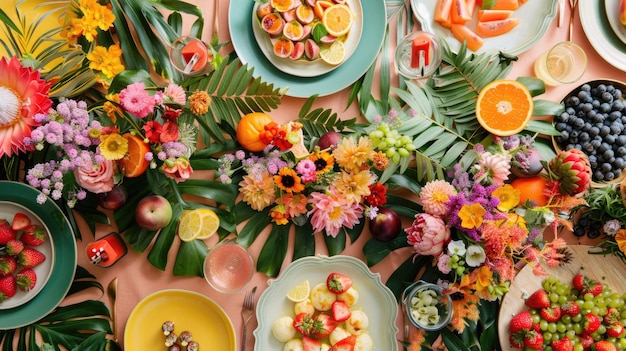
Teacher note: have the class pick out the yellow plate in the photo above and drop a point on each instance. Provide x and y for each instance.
(190, 311)
(607, 269)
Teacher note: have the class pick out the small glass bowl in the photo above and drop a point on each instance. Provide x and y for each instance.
(427, 306)
(228, 267)
(403, 55)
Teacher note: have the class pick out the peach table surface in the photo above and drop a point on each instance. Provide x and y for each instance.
(137, 278)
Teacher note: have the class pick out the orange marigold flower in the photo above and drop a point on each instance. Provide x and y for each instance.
(279, 215)
(199, 102)
(381, 161)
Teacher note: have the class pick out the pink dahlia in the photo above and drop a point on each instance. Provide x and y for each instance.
(136, 100)
(434, 196)
(22, 95)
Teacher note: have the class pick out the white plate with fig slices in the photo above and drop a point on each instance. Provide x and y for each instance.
(292, 35)
(27, 258)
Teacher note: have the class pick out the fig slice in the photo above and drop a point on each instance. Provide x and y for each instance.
(311, 49)
(298, 51)
(305, 14)
(264, 9)
(289, 15)
(273, 24)
(283, 47)
(328, 39)
(293, 30)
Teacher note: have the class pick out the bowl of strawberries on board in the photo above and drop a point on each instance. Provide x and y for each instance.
(26, 255)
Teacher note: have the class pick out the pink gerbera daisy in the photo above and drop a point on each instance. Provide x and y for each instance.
(136, 100)
(22, 95)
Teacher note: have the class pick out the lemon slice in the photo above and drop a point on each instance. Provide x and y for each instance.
(299, 292)
(334, 54)
(210, 223)
(337, 19)
(190, 225)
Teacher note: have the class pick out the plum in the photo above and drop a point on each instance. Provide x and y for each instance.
(328, 140)
(386, 226)
(113, 199)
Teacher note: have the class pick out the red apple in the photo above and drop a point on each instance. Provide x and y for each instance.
(386, 226)
(153, 212)
(330, 139)
(113, 199)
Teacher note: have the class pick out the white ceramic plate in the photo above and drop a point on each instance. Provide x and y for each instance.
(597, 29)
(612, 13)
(43, 270)
(304, 68)
(375, 299)
(536, 16)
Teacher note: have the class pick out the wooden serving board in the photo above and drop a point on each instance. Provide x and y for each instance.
(607, 269)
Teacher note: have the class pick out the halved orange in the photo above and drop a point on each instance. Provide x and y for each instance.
(504, 107)
(134, 162)
(338, 20)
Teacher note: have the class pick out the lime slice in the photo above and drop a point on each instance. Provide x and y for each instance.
(299, 292)
(334, 54)
(190, 225)
(210, 223)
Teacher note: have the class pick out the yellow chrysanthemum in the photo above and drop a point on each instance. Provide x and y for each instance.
(108, 61)
(472, 216)
(508, 196)
(113, 146)
(354, 186)
(353, 156)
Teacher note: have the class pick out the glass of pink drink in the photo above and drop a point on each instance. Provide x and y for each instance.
(228, 267)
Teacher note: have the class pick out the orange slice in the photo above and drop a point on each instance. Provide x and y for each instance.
(320, 7)
(134, 162)
(338, 20)
(504, 107)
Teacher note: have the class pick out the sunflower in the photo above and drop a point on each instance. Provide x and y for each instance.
(22, 95)
(288, 180)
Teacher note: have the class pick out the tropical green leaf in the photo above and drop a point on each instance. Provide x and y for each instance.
(274, 250)
(375, 250)
(190, 259)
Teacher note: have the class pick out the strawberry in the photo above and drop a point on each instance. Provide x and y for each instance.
(345, 344)
(585, 285)
(538, 299)
(26, 279)
(563, 344)
(20, 221)
(613, 315)
(6, 234)
(33, 235)
(551, 314)
(591, 323)
(338, 283)
(340, 311)
(521, 322)
(14, 247)
(533, 340)
(594, 288)
(8, 287)
(303, 323)
(585, 340)
(8, 265)
(578, 282)
(615, 330)
(570, 308)
(517, 340)
(311, 344)
(323, 326)
(604, 345)
(30, 257)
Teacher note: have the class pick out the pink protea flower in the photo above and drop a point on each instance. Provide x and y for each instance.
(22, 95)
(428, 234)
(434, 196)
(136, 100)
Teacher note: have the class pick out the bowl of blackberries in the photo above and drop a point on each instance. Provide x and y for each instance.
(594, 121)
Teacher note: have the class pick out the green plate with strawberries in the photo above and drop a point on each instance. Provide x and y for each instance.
(63, 261)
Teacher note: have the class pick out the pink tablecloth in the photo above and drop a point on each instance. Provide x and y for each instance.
(137, 278)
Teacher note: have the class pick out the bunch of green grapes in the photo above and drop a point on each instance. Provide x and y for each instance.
(391, 142)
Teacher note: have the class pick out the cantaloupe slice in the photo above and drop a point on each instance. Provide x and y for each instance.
(442, 10)
(493, 15)
(506, 5)
(495, 28)
(464, 34)
(460, 13)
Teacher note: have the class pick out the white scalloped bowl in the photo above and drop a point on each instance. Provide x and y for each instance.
(375, 299)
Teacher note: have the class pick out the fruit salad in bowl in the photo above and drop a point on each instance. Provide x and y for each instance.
(26, 255)
(307, 37)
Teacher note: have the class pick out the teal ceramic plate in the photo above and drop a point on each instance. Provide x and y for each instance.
(248, 50)
(535, 15)
(64, 264)
(598, 30)
(375, 299)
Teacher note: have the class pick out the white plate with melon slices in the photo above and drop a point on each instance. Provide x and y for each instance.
(533, 17)
(303, 67)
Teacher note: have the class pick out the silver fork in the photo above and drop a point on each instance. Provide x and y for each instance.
(247, 311)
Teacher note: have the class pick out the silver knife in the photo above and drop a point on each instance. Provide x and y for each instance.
(561, 12)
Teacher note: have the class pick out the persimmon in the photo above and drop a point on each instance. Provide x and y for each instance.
(249, 128)
(533, 188)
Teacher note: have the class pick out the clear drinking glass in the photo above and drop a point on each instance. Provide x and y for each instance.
(418, 55)
(191, 56)
(563, 63)
(228, 267)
